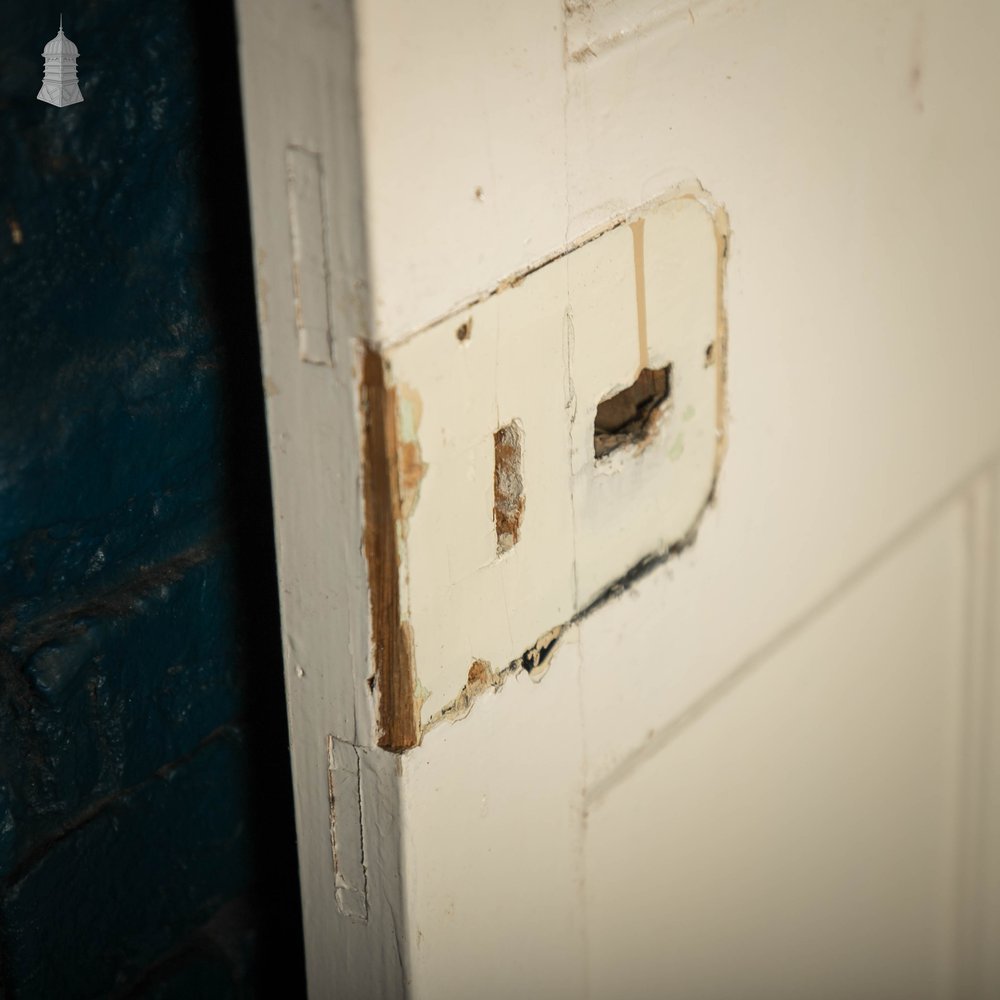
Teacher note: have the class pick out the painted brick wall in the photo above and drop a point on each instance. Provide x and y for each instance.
(146, 839)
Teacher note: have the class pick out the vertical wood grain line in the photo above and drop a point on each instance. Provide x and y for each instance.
(394, 679)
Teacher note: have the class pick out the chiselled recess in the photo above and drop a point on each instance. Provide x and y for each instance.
(310, 267)
(629, 416)
(571, 443)
(508, 486)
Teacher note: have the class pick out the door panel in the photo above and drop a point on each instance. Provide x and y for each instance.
(798, 835)
(765, 766)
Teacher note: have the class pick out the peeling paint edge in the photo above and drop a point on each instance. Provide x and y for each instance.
(534, 661)
(691, 188)
(666, 17)
(393, 680)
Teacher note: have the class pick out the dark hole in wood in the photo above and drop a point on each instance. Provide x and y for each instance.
(626, 417)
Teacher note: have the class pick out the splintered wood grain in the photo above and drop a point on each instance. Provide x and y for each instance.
(392, 644)
(508, 487)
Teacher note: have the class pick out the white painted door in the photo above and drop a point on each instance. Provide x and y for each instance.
(691, 698)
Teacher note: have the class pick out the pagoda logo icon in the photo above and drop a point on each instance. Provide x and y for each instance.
(59, 85)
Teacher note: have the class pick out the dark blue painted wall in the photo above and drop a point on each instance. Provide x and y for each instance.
(146, 839)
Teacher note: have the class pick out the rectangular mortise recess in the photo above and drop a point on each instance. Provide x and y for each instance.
(626, 417)
(347, 829)
(508, 485)
(310, 269)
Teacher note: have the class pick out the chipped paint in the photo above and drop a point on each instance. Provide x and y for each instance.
(408, 410)
(508, 485)
(423, 369)
(481, 679)
(535, 660)
(391, 637)
(596, 27)
(347, 829)
(719, 349)
(307, 219)
(632, 416)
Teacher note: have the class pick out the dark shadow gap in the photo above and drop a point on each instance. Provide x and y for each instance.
(228, 282)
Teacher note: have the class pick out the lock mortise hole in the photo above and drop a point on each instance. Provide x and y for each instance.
(627, 416)
(508, 485)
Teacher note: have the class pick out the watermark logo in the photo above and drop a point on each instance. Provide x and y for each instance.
(59, 85)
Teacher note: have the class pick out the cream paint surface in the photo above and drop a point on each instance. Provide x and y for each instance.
(855, 148)
(299, 92)
(545, 352)
(799, 837)
(804, 830)
(494, 845)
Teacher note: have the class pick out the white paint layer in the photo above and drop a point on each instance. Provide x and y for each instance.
(545, 352)
(767, 765)
(307, 218)
(346, 829)
(494, 845)
(798, 839)
(299, 92)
